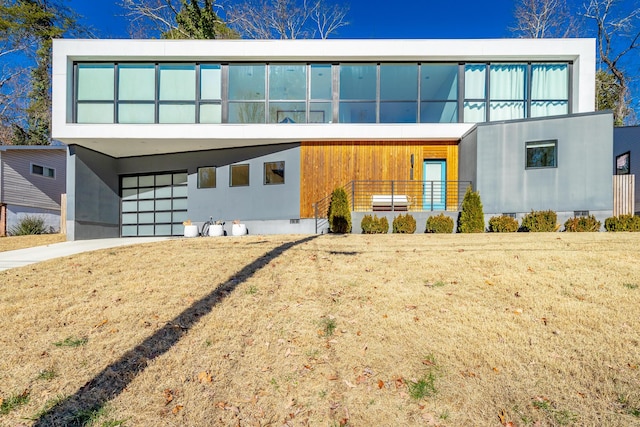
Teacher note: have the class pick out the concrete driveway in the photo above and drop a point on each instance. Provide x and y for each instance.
(22, 257)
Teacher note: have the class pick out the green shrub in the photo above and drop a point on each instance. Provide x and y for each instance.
(471, 218)
(404, 224)
(622, 223)
(339, 212)
(582, 223)
(539, 221)
(29, 225)
(503, 224)
(439, 224)
(374, 225)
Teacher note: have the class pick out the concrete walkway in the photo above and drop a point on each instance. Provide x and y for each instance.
(22, 257)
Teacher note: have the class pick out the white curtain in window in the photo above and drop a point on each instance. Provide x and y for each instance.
(506, 110)
(178, 82)
(474, 81)
(507, 83)
(474, 112)
(549, 108)
(549, 82)
(136, 82)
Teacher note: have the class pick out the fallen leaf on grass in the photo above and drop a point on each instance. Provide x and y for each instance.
(205, 377)
(380, 384)
(488, 282)
(428, 362)
(104, 322)
(332, 377)
(221, 405)
(177, 409)
(168, 396)
(349, 384)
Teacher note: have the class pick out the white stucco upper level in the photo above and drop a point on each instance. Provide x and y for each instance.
(121, 140)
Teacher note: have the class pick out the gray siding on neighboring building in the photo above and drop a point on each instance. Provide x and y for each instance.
(20, 187)
(582, 179)
(627, 139)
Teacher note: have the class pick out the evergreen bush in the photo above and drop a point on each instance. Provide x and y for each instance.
(339, 212)
(439, 224)
(622, 223)
(503, 224)
(29, 225)
(471, 218)
(374, 225)
(539, 221)
(404, 224)
(582, 223)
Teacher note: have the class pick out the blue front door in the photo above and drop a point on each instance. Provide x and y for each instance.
(434, 191)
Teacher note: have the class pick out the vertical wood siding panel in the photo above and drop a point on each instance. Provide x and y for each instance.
(327, 165)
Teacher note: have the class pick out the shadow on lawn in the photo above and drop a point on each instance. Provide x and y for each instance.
(76, 410)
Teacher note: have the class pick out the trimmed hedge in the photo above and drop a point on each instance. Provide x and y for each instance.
(404, 224)
(471, 218)
(582, 224)
(439, 224)
(374, 225)
(503, 224)
(622, 223)
(339, 212)
(539, 221)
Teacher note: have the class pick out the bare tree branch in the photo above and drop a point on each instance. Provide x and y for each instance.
(543, 19)
(286, 19)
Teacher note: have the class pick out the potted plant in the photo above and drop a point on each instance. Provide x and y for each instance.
(238, 229)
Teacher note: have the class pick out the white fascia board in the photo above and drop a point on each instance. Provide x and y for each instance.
(131, 140)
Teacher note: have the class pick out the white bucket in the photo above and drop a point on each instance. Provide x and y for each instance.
(216, 230)
(238, 229)
(190, 231)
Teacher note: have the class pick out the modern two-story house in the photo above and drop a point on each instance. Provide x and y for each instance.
(161, 131)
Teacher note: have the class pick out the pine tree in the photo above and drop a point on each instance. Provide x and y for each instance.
(471, 218)
(339, 212)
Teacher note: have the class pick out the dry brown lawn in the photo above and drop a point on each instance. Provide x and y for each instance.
(12, 243)
(394, 330)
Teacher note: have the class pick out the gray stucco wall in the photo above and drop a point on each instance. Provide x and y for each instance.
(468, 158)
(581, 181)
(93, 203)
(94, 182)
(627, 139)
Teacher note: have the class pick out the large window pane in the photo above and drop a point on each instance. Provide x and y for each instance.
(439, 82)
(95, 113)
(246, 82)
(246, 112)
(210, 82)
(210, 113)
(177, 82)
(399, 82)
(95, 82)
(549, 108)
(136, 82)
(398, 112)
(287, 112)
(358, 81)
(287, 82)
(474, 112)
(474, 81)
(506, 110)
(507, 82)
(321, 86)
(207, 177)
(439, 112)
(320, 112)
(177, 113)
(549, 81)
(136, 113)
(357, 112)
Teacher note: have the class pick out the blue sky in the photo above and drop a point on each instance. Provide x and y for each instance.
(368, 18)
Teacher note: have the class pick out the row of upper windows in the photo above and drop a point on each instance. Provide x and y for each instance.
(318, 93)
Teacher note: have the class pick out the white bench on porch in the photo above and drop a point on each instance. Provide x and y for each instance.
(387, 202)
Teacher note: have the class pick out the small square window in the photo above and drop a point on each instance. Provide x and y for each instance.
(207, 177)
(580, 213)
(239, 175)
(43, 171)
(509, 214)
(623, 164)
(542, 154)
(273, 173)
